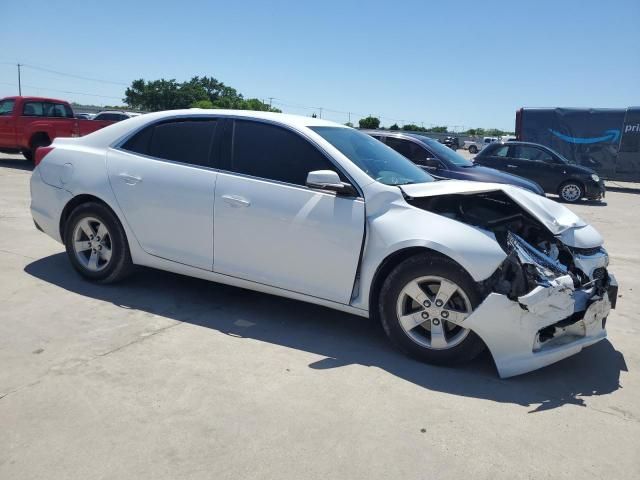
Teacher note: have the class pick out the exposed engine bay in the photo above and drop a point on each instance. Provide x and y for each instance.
(563, 293)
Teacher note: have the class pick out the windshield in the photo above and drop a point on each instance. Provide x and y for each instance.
(445, 153)
(373, 157)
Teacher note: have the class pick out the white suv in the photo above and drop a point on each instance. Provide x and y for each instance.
(319, 212)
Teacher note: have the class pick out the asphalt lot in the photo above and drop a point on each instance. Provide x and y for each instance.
(166, 377)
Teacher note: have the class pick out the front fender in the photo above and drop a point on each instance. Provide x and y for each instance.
(404, 226)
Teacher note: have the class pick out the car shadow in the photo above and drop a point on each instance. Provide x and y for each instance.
(341, 338)
(16, 163)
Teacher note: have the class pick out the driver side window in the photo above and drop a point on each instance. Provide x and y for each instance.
(409, 149)
(532, 153)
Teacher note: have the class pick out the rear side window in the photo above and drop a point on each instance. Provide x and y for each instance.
(272, 152)
(57, 110)
(187, 141)
(6, 107)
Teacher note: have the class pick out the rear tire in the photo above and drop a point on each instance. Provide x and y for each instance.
(473, 149)
(96, 244)
(419, 327)
(40, 140)
(28, 154)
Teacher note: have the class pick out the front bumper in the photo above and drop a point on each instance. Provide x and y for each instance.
(594, 191)
(546, 325)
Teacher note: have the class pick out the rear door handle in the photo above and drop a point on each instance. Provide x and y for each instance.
(130, 179)
(236, 200)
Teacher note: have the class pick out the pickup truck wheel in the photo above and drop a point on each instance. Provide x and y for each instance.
(39, 140)
(28, 154)
(423, 305)
(96, 244)
(570, 191)
(473, 149)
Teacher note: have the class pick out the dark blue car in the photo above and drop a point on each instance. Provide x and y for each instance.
(444, 163)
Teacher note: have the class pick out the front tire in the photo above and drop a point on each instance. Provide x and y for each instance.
(423, 305)
(571, 191)
(473, 149)
(96, 244)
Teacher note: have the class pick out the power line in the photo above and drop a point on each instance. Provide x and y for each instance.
(70, 75)
(61, 91)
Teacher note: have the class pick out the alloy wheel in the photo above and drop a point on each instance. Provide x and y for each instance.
(92, 244)
(571, 192)
(431, 310)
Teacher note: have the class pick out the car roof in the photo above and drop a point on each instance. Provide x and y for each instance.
(34, 99)
(133, 124)
(398, 134)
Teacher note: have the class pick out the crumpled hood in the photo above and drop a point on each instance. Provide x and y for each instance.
(560, 221)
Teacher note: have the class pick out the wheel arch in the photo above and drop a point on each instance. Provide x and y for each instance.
(389, 263)
(81, 199)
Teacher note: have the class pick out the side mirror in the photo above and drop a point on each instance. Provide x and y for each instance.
(329, 180)
(431, 162)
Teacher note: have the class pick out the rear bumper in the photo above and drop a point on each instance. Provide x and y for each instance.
(47, 203)
(546, 325)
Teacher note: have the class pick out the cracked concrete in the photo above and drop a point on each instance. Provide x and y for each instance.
(99, 381)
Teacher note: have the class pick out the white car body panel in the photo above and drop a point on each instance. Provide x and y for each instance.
(308, 245)
(287, 237)
(167, 205)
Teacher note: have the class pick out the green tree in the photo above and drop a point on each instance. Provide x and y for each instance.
(349, 124)
(438, 129)
(411, 127)
(369, 122)
(201, 92)
(394, 127)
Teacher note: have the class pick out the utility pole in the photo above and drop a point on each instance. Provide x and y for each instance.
(349, 113)
(19, 81)
(320, 109)
(270, 101)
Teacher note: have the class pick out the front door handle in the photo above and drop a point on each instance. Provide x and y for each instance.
(236, 200)
(130, 179)
(512, 166)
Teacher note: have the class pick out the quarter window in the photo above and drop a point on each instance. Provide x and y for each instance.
(272, 152)
(33, 109)
(187, 141)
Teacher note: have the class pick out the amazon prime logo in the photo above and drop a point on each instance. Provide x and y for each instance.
(632, 128)
(609, 136)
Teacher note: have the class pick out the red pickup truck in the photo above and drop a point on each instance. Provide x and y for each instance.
(27, 123)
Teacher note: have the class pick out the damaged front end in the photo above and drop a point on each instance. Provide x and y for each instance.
(551, 295)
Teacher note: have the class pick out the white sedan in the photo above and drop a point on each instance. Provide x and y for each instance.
(319, 212)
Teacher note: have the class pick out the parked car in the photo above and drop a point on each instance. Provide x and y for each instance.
(85, 116)
(320, 212)
(115, 115)
(27, 123)
(548, 168)
(442, 163)
(452, 142)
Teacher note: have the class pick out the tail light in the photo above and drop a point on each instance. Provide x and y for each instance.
(41, 152)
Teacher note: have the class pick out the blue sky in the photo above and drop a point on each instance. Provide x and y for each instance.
(447, 63)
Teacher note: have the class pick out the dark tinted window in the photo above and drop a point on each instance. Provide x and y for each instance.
(187, 141)
(409, 149)
(6, 107)
(33, 109)
(268, 151)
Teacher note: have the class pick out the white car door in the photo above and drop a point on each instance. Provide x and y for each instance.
(164, 184)
(272, 229)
